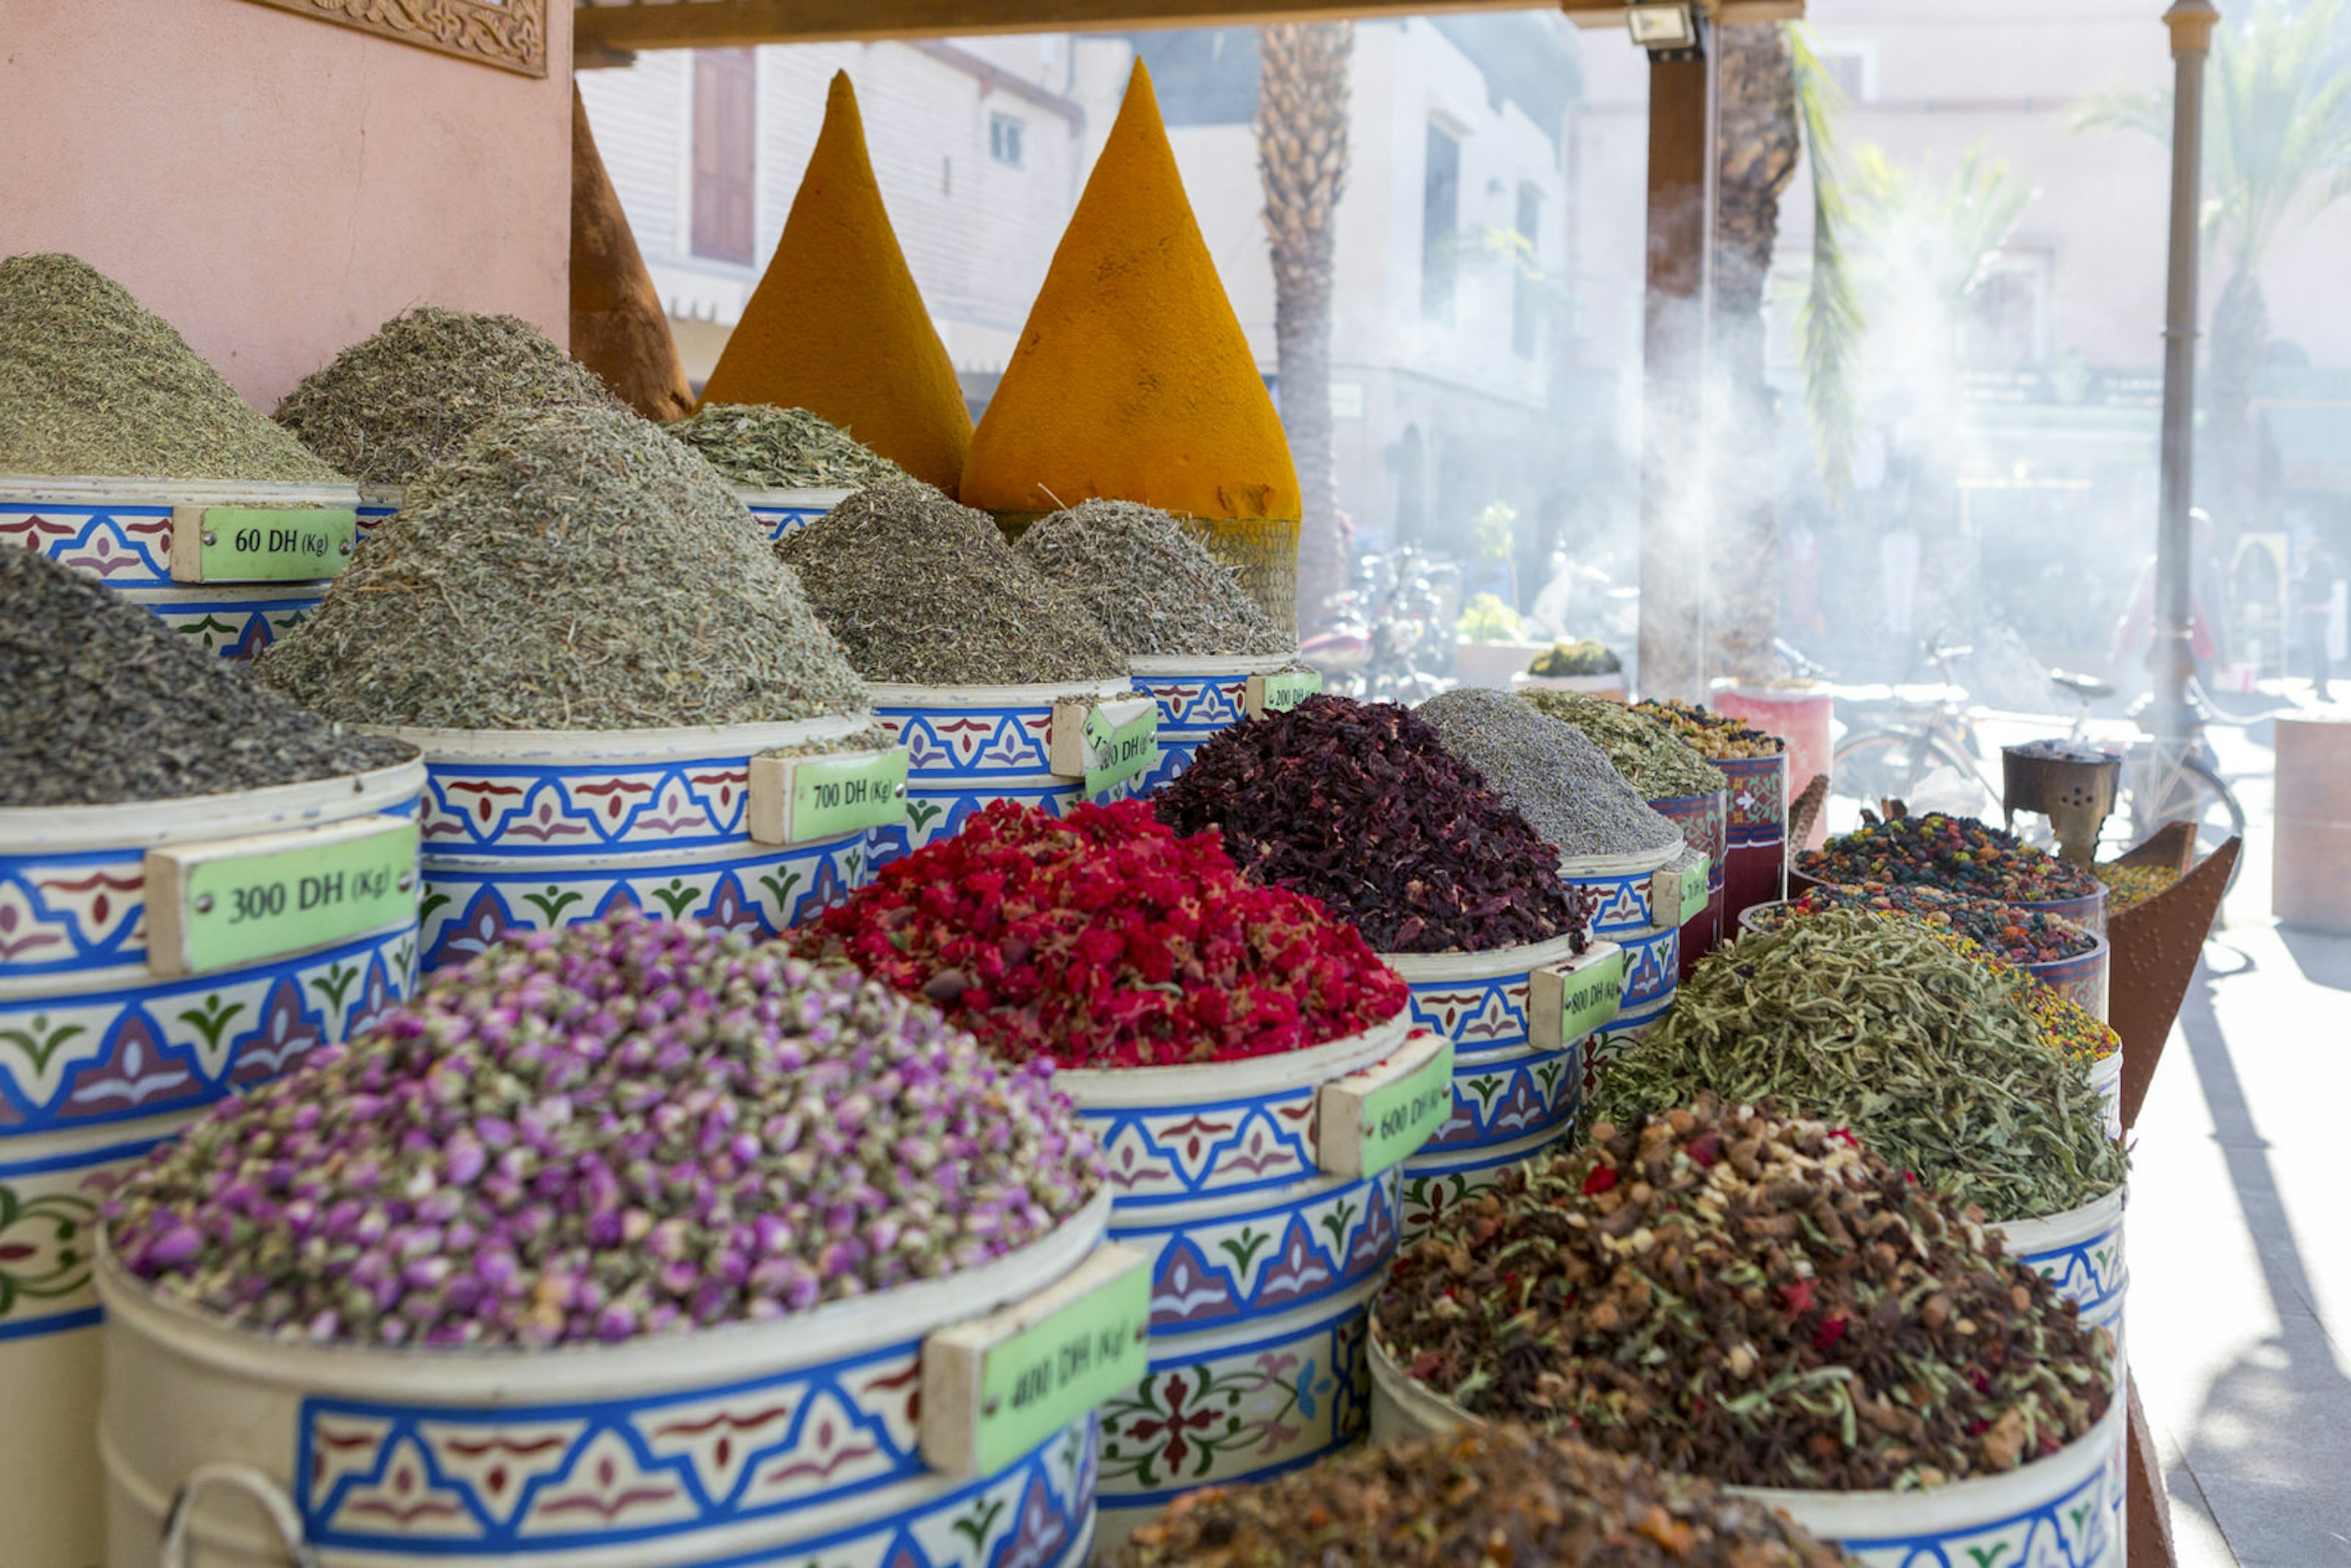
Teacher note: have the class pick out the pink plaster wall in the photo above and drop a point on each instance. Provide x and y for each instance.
(275, 186)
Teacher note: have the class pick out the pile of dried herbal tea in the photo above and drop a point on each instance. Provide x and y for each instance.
(2017, 935)
(104, 702)
(1956, 852)
(1727, 1292)
(1563, 785)
(1651, 759)
(2129, 884)
(923, 591)
(1102, 939)
(388, 408)
(1713, 736)
(762, 447)
(91, 382)
(1482, 1497)
(574, 569)
(603, 1131)
(2066, 1026)
(1359, 805)
(1582, 657)
(1150, 584)
(1877, 1023)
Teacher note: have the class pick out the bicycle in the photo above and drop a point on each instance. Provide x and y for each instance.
(1925, 750)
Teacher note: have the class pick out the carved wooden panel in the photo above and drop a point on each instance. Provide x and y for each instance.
(508, 33)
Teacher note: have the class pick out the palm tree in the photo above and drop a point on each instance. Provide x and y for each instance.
(2277, 149)
(1301, 137)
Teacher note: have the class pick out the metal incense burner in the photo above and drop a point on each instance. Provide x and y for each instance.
(2071, 784)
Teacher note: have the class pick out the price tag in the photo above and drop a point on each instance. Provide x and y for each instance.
(1677, 893)
(261, 544)
(1695, 890)
(1370, 1120)
(1571, 1000)
(799, 799)
(210, 906)
(1105, 743)
(995, 1387)
(1281, 692)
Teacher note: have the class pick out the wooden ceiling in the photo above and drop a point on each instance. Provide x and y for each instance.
(604, 31)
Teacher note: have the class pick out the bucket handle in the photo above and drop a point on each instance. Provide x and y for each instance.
(256, 1484)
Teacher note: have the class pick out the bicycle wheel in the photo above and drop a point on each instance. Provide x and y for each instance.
(2186, 790)
(1913, 766)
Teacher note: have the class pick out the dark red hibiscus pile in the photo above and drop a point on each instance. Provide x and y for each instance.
(1102, 939)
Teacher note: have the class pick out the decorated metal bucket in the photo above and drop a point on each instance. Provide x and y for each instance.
(1048, 746)
(851, 1434)
(1200, 699)
(1653, 971)
(1518, 1020)
(129, 1001)
(2057, 1510)
(536, 829)
(1704, 822)
(1755, 864)
(782, 512)
(1265, 1191)
(1624, 888)
(232, 564)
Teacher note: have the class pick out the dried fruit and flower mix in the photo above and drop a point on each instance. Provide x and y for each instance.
(1479, 1497)
(1956, 852)
(1754, 1298)
(1653, 759)
(603, 1131)
(2017, 935)
(1102, 939)
(1563, 785)
(2131, 884)
(1713, 736)
(1877, 1023)
(1359, 805)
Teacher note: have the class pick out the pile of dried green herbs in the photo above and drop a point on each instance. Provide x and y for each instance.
(1480, 1497)
(1748, 1296)
(762, 447)
(93, 383)
(1656, 761)
(573, 570)
(923, 591)
(105, 703)
(386, 409)
(1875, 1023)
(1150, 584)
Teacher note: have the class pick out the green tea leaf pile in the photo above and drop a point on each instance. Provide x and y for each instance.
(601, 1133)
(388, 408)
(104, 702)
(1480, 1497)
(1874, 1022)
(574, 569)
(1757, 1298)
(1150, 585)
(762, 447)
(1651, 759)
(91, 382)
(922, 591)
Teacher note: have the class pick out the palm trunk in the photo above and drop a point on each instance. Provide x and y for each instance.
(1302, 131)
(2240, 330)
(1759, 152)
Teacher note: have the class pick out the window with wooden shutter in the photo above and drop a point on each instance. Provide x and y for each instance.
(725, 126)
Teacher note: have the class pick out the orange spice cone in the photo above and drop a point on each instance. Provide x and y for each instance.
(837, 326)
(1134, 380)
(618, 328)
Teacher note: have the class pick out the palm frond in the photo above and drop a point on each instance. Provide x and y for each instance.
(1830, 325)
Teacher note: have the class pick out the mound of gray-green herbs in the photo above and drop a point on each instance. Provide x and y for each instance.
(1151, 585)
(1561, 782)
(762, 447)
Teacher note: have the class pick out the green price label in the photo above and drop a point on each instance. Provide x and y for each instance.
(257, 544)
(1281, 692)
(833, 795)
(1694, 893)
(1400, 1116)
(211, 906)
(1085, 1351)
(1118, 752)
(1591, 993)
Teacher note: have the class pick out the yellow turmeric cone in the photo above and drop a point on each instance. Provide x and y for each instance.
(1132, 379)
(837, 326)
